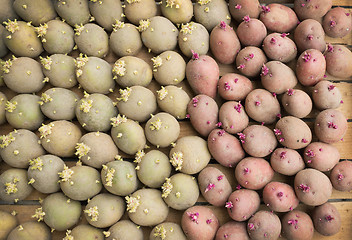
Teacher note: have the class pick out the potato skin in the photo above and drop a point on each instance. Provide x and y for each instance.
(330, 126)
(140, 10)
(341, 176)
(264, 225)
(279, 18)
(297, 103)
(253, 173)
(310, 68)
(251, 32)
(321, 156)
(314, 9)
(232, 230)
(310, 34)
(337, 23)
(279, 47)
(241, 8)
(250, 60)
(233, 86)
(326, 219)
(280, 197)
(297, 225)
(286, 161)
(232, 117)
(338, 61)
(242, 204)
(326, 96)
(181, 14)
(193, 36)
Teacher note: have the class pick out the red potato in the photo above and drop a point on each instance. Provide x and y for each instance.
(232, 230)
(251, 31)
(339, 61)
(330, 126)
(203, 113)
(241, 8)
(224, 43)
(310, 34)
(250, 60)
(280, 197)
(326, 219)
(199, 223)
(310, 68)
(278, 18)
(297, 103)
(233, 118)
(341, 176)
(233, 86)
(253, 173)
(297, 225)
(314, 9)
(264, 225)
(202, 73)
(242, 204)
(225, 148)
(326, 96)
(321, 156)
(277, 46)
(286, 161)
(337, 23)
(312, 187)
(262, 106)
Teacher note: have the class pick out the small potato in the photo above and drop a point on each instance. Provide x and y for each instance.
(233, 86)
(193, 36)
(169, 230)
(337, 23)
(250, 60)
(173, 100)
(251, 32)
(309, 34)
(262, 106)
(339, 61)
(341, 177)
(253, 173)
(292, 132)
(242, 204)
(279, 47)
(310, 68)
(140, 10)
(241, 8)
(280, 197)
(8, 222)
(264, 225)
(118, 36)
(203, 112)
(330, 126)
(314, 9)
(258, 141)
(278, 18)
(224, 43)
(124, 230)
(286, 161)
(225, 148)
(297, 103)
(297, 225)
(180, 11)
(232, 117)
(214, 186)
(321, 156)
(312, 187)
(326, 96)
(326, 219)
(232, 230)
(276, 77)
(199, 222)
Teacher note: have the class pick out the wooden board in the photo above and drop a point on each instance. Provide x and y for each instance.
(342, 200)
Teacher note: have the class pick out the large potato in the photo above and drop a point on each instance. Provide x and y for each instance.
(241, 8)
(339, 61)
(310, 34)
(250, 60)
(279, 47)
(330, 126)
(251, 32)
(314, 9)
(232, 117)
(286, 161)
(297, 103)
(310, 68)
(233, 86)
(321, 156)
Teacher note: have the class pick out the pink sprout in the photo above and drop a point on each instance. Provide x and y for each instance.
(302, 5)
(325, 76)
(208, 221)
(274, 95)
(222, 25)
(246, 170)
(348, 14)
(329, 218)
(220, 177)
(250, 226)
(226, 235)
(241, 66)
(227, 86)
(265, 234)
(307, 57)
(293, 222)
(219, 124)
(332, 125)
(332, 23)
(193, 216)
(242, 137)
(209, 187)
(265, 9)
(330, 48)
(282, 140)
(277, 132)
(283, 154)
(195, 56)
(278, 115)
(290, 92)
(331, 87)
(262, 123)
(195, 100)
(265, 70)
(251, 55)
(221, 132)
(188, 116)
(340, 177)
(310, 153)
(238, 187)
(246, 18)
(257, 103)
(272, 40)
(320, 149)
(208, 122)
(231, 126)
(238, 6)
(229, 204)
(310, 37)
(238, 107)
(280, 194)
(236, 80)
(304, 140)
(304, 188)
(341, 101)
(283, 35)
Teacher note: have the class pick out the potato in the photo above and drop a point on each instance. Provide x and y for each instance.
(250, 60)
(140, 10)
(251, 32)
(241, 8)
(309, 34)
(242, 204)
(232, 230)
(326, 219)
(321, 156)
(297, 225)
(30, 231)
(312, 187)
(118, 36)
(259, 141)
(106, 13)
(339, 61)
(199, 222)
(203, 113)
(280, 197)
(233, 86)
(180, 11)
(214, 186)
(310, 68)
(279, 47)
(202, 74)
(125, 230)
(224, 43)
(167, 230)
(314, 9)
(277, 77)
(8, 222)
(262, 106)
(326, 96)
(341, 177)
(286, 161)
(193, 36)
(330, 126)
(232, 117)
(264, 225)
(337, 23)
(292, 132)
(297, 103)
(225, 148)
(278, 18)
(253, 173)
(173, 100)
